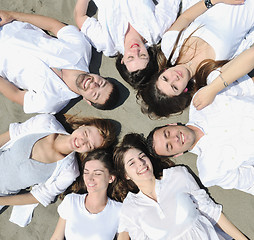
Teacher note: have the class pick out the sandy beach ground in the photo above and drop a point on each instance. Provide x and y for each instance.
(238, 206)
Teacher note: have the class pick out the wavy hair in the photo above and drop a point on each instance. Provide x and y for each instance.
(131, 141)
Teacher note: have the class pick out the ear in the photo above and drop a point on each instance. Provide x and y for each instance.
(177, 155)
(112, 178)
(172, 124)
(87, 101)
(122, 61)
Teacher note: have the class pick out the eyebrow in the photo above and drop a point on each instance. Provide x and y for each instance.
(96, 170)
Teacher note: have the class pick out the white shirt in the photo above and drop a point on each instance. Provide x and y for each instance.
(149, 20)
(65, 173)
(81, 224)
(27, 56)
(226, 151)
(223, 27)
(182, 210)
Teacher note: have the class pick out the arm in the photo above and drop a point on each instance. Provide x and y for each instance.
(19, 199)
(59, 231)
(10, 91)
(123, 236)
(230, 228)
(80, 12)
(187, 17)
(43, 22)
(4, 138)
(230, 72)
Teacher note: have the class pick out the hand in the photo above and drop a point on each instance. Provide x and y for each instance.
(232, 2)
(5, 17)
(203, 97)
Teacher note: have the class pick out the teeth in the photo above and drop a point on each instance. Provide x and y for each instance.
(182, 138)
(91, 185)
(76, 143)
(143, 170)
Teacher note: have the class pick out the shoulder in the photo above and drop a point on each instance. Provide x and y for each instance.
(174, 172)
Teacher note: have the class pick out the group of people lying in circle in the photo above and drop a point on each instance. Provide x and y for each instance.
(133, 191)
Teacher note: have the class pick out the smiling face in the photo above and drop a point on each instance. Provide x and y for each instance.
(85, 139)
(96, 176)
(174, 80)
(138, 166)
(135, 56)
(172, 140)
(94, 88)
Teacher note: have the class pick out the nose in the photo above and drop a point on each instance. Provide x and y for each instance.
(94, 85)
(141, 161)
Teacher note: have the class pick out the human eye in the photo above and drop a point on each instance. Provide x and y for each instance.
(174, 88)
(164, 78)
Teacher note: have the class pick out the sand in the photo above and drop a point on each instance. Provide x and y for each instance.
(238, 206)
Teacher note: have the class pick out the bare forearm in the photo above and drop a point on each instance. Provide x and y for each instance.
(19, 199)
(235, 69)
(80, 11)
(4, 138)
(59, 231)
(230, 228)
(43, 22)
(10, 91)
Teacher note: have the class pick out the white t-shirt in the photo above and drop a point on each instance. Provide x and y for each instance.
(149, 20)
(27, 56)
(182, 211)
(81, 224)
(223, 27)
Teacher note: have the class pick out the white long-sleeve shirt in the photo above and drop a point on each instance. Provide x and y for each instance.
(65, 173)
(182, 211)
(226, 151)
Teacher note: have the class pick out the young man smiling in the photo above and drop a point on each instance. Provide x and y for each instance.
(43, 73)
(221, 135)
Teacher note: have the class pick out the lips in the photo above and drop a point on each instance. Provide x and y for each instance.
(86, 83)
(179, 73)
(143, 170)
(76, 144)
(135, 45)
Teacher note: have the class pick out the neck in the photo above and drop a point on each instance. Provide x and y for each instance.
(148, 188)
(61, 144)
(131, 34)
(198, 134)
(95, 202)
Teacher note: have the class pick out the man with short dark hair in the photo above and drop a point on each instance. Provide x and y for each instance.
(43, 73)
(221, 135)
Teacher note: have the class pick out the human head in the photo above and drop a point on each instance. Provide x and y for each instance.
(94, 163)
(133, 141)
(157, 104)
(97, 91)
(171, 140)
(104, 126)
(140, 76)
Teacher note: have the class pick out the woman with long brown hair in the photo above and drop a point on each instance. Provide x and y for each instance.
(41, 153)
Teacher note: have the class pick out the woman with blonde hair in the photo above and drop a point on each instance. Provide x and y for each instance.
(42, 154)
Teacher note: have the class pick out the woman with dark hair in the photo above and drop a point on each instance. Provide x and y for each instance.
(128, 28)
(171, 206)
(89, 212)
(41, 153)
(216, 35)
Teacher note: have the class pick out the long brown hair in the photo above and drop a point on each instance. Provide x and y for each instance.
(105, 127)
(123, 186)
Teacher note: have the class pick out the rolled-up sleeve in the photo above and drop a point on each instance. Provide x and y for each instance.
(46, 192)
